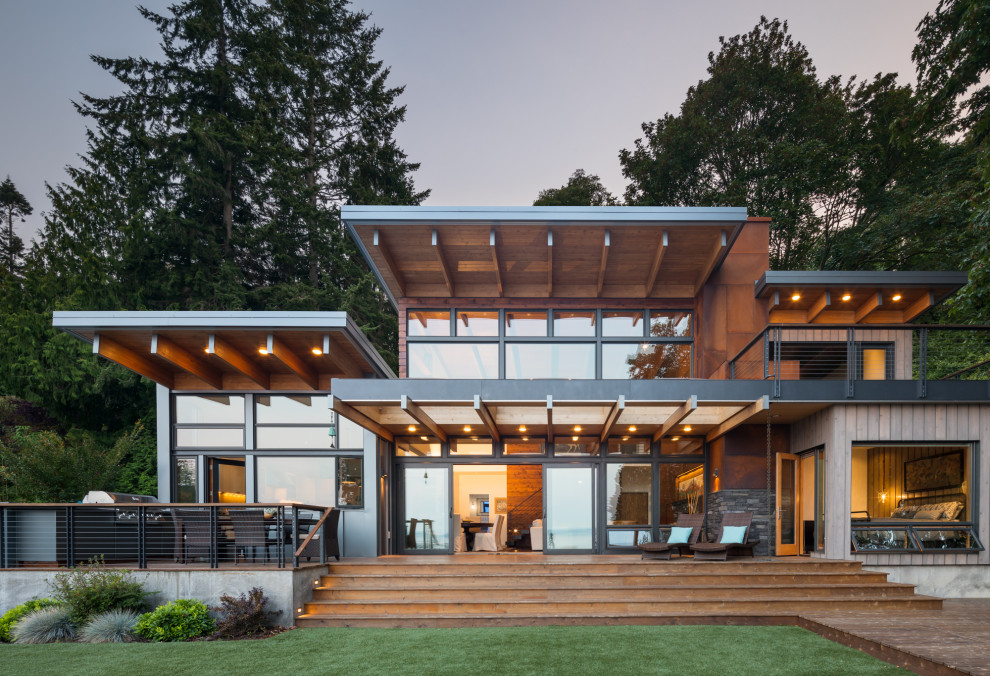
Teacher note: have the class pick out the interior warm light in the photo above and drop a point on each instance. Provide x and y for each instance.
(412, 428)
(467, 428)
(883, 497)
(625, 438)
(522, 428)
(687, 428)
(317, 351)
(525, 438)
(425, 438)
(846, 297)
(895, 297)
(796, 296)
(262, 350)
(675, 438)
(574, 438)
(206, 350)
(577, 428)
(632, 428)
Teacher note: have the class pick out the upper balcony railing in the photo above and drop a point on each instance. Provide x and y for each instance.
(921, 354)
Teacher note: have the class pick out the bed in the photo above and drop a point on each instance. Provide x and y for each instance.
(922, 510)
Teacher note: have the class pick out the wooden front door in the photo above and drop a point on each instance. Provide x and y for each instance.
(788, 498)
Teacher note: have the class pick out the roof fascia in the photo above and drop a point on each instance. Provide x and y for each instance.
(869, 278)
(618, 216)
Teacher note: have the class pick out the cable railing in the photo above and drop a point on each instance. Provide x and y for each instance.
(919, 353)
(165, 535)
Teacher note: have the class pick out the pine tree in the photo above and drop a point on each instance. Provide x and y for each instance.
(14, 206)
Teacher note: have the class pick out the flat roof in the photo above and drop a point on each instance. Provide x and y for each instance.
(536, 216)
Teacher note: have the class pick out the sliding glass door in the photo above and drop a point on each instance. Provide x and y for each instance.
(426, 509)
(570, 520)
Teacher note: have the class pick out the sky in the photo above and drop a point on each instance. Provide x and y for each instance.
(504, 98)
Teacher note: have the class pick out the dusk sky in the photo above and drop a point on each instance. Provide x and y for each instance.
(504, 98)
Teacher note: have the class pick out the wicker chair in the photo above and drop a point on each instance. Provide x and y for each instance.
(331, 544)
(250, 531)
(720, 551)
(663, 550)
(192, 533)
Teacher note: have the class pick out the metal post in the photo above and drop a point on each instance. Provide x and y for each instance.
(323, 538)
(70, 536)
(923, 363)
(3, 538)
(295, 536)
(850, 362)
(280, 535)
(766, 354)
(776, 363)
(214, 559)
(142, 535)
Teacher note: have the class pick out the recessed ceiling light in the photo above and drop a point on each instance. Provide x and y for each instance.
(846, 297)
(574, 438)
(412, 428)
(525, 438)
(522, 428)
(467, 428)
(317, 351)
(262, 350)
(687, 428)
(632, 428)
(425, 438)
(577, 428)
(675, 438)
(896, 297)
(796, 296)
(625, 438)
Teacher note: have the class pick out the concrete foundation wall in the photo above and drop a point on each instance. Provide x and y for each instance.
(286, 589)
(963, 582)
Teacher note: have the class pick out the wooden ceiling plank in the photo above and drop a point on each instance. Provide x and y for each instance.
(550, 419)
(872, 303)
(355, 416)
(713, 259)
(481, 408)
(110, 349)
(390, 264)
(761, 404)
(682, 411)
(236, 360)
(549, 263)
(651, 279)
(420, 416)
(338, 360)
(601, 268)
(498, 268)
(823, 303)
(279, 350)
(926, 301)
(612, 419)
(179, 357)
(444, 268)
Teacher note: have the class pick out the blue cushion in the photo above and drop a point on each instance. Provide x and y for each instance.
(679, 535)
(733, 535)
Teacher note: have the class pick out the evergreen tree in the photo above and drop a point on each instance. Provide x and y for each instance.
(14, 207)
(580, 190)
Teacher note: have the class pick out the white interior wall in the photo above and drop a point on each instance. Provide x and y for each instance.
(858, 484)
(487, 480)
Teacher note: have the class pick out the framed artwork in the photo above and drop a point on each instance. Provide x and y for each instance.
(690, 483)
(934, 473)
(501, 505)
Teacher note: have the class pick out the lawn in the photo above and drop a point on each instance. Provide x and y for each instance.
(737, 651)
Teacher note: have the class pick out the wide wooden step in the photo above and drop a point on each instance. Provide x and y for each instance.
(579, 619)
(633, 567)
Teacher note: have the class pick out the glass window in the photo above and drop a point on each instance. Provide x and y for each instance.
(628, 491)
(629, 446)
(874, 363)
(682, 490)
(417, 446)
(682, 446)
(477, 323)
(669, 324)
(574, 323)
(304, 409)
(428, 323)
(186, 480)
(528, 361)
(525, 323)
(350, 482)
(629, 538)
(645, 361)
(523, 446)
(307, 480)
(453, 360)
(349, 434)
(294, 437)
(471, 446)
(575, 445)
(217, 409)
(209, 437)
(622, 323)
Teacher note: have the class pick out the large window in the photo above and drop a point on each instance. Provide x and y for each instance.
(293, 422)
(308, 480)
(682, 490)
(350, 482)
(549, 360)
(646, 361)
(453, 360)
(209, 421)
(628, 491)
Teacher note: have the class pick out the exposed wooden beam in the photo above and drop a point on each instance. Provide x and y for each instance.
(613, 417)
(141, 365)
(713, 260)
(420, 416)
(872, 303)
(498, 268)
(236, 360)
(550, 419)
(683, 411)
(355, 416)
(823, 303)
(549, 263)
(761, 404)
(390, 263)
(481, 408)
(279, 350)
(919, 306)
(601, 268)
(338, 359)
(167, 350)
(444, 268)
(658, 255)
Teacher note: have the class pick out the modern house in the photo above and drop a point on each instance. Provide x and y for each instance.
(587, 374)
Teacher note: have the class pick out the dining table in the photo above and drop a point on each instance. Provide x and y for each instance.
(469, 526)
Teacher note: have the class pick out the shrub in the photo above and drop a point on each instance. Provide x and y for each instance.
(113, 626)
(176, 621)
(244, 615)
(17, 612)
(44, 625)
(93, 588)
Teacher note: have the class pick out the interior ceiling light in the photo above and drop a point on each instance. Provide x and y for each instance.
(525, 438)
(675, 438)
(687, 428)
(625, 438)
(846, 297)
(574, 438)
(796, 296)
(896, 297)
(262, 350)
(425, 438)
(412, 428)
(317, 351)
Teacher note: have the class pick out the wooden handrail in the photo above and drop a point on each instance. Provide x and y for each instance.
(156, 505)
(314, 531)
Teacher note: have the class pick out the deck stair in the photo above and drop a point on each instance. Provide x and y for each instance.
(516, 590)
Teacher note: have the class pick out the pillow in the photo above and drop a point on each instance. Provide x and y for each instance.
(904, 513)
(928, 515)
(679, 535)
(953, 510)
(733, 535)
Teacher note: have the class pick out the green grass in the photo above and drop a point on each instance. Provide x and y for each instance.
(735, 651)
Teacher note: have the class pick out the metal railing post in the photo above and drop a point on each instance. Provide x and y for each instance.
(70, 536)
(3, 538)
(280, 534)
(214, 558)
(142, 535)
(766, 354)
(323, 539)
(922, 363)
(850, 362)
(776, 363)
(295, 536)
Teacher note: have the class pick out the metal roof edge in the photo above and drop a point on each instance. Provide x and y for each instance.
(396, 215)
(904, 278)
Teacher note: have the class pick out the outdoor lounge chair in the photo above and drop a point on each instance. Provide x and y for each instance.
(720, 551)
(662, 550)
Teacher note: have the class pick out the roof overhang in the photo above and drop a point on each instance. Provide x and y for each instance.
(854, 297)
(543, 252)
(231, 350)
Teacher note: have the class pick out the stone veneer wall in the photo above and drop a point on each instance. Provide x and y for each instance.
(741, 500)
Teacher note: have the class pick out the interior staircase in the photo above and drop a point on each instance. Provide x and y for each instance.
(518, 590)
